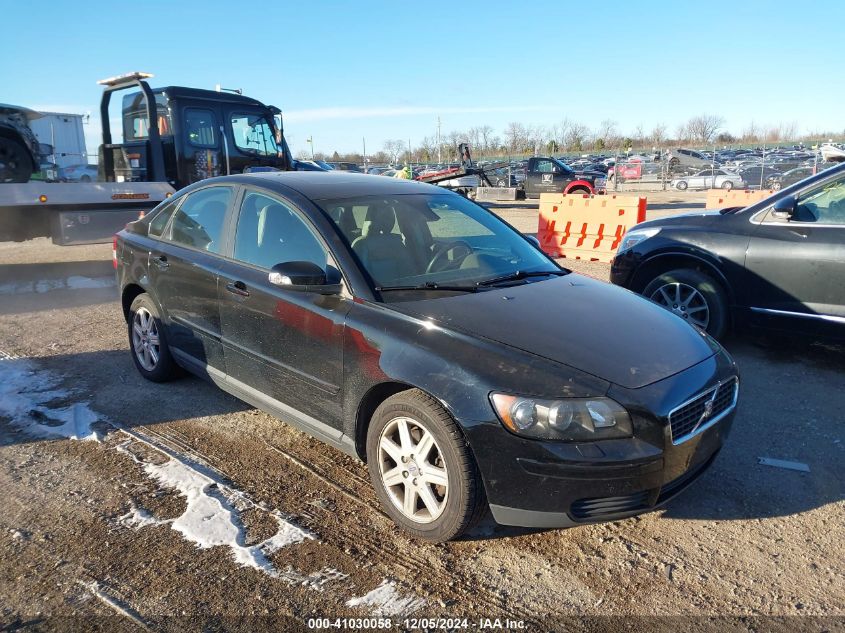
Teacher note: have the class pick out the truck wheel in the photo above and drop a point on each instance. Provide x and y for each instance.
(15, 165)
(579, 190)
(148, 341)
(693, 296)
(422, 470)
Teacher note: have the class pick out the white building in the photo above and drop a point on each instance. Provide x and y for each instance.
(64, 133)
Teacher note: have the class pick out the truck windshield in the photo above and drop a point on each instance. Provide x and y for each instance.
(425, 241)
(253, 134)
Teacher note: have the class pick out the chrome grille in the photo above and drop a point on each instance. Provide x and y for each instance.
(705, 409)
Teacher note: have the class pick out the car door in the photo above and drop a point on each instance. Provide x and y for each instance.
(283, 347)
(184, 269)
(542, 177)
(798, 265)
(252, 141)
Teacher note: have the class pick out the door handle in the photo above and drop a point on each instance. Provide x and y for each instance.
(161, 262)
(237, 288)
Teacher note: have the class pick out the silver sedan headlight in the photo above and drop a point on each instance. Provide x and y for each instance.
(566, 419)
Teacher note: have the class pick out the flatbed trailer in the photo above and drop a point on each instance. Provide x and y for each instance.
(75, 213)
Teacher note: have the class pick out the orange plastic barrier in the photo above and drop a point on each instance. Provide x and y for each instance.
(719, 199)
(580, 226)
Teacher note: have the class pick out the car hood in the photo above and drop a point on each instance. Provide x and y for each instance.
(589, 325)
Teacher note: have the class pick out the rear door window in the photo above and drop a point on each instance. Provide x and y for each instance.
(200, 128)
(199, 221)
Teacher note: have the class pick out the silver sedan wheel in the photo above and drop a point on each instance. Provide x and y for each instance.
(685, 301)
(145, 339)
(412, 470)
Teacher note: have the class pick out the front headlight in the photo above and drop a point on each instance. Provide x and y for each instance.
(635, 236)
(568, 419)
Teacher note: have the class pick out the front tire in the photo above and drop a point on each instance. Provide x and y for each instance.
(727, 185)
(681, 185)
(693, 296)
(421, 468)
(148, 341)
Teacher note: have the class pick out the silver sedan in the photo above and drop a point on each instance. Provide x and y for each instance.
(710, 179)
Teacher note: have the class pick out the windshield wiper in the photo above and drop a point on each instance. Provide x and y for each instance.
(429, 285)
(520, 274)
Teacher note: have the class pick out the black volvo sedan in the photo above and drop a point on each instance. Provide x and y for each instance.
(417, 331)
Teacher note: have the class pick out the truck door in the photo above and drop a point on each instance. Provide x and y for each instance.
(541, 177)
(252, 141)
(202, 157)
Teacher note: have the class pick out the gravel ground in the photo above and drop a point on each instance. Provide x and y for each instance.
(98, 534)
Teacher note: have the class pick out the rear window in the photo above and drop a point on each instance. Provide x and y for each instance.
(198, 223)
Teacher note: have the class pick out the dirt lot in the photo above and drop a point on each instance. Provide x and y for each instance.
(189, 509)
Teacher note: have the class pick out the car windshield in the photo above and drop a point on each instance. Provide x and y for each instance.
(428, 240)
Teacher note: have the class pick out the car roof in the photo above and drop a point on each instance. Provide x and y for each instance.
(335, 184)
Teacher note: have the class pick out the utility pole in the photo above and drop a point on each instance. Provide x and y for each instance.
(439, 157)
(310, 141)
(365, 153)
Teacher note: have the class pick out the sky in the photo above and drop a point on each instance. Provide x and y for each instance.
(349, 73)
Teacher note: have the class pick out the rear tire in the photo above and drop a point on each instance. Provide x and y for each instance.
(148, 341)
(694, 296)
(727, 185)
(15, 163)
(403, 473)
(681, 185)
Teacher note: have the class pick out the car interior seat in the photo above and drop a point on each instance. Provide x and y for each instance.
(383, 253)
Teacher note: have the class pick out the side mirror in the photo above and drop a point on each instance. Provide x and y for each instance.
(302, 276)
(784, 208)
(533, 240)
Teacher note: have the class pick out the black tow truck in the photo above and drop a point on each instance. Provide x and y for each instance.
(172, 137)
(543, 175)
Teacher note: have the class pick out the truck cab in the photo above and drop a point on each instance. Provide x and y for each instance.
(196, 134)
(549, 175)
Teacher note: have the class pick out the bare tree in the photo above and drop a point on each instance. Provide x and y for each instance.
(486, 133)
(704, 127)
(658, 134)
(394, 149)
(574, 136)
(606, 134)
(751, 133)
(516, 137)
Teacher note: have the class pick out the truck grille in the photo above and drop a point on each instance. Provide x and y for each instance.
(695, 415)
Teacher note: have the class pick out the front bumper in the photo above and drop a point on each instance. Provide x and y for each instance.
(551, 484)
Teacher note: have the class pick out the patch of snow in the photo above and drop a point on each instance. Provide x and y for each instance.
(25, 394)
(386, 601)
(315, 581)
(212, 515)
(138, 518)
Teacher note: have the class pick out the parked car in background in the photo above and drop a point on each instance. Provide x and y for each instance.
(709, 179)
(777, 262)
(307, 165)
(334, 302)
(78, 173)
(756, 175)
(779, 181)
(345, 166)
(682, 157)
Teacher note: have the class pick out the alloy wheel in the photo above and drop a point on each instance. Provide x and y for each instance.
(685, 301)
(145, 339)
(413, 470)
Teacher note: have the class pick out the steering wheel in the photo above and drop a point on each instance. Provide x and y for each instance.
(440, 260)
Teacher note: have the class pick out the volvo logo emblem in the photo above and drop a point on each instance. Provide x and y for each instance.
(708, 410)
